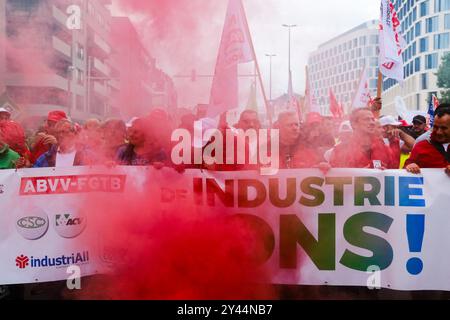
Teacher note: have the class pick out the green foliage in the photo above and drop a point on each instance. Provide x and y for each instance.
(443, 78)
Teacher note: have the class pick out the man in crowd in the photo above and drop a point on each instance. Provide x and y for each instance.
(144, 147)
(248, 120)
(46, 139)
(13, 134)
(365, 149)
(433, 152)
(113, 134)
(397, 140)
(294, 153)
(419, 126)
(344, 134)
(8, 157)
(64, 153)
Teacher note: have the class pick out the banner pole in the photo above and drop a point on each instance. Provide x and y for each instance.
(269, 115)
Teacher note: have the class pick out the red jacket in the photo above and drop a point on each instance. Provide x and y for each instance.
(351, 155)
(425, 155)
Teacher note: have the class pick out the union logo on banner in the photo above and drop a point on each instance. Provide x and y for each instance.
(389, 65)
(22, 261)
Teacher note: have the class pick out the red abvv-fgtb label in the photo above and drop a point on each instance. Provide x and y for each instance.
(72, 184)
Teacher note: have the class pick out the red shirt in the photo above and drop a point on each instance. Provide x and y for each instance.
(352, 155)
(298, 156)
(425, 155)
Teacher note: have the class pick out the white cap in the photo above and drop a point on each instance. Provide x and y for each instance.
(345, 127)
(389, 121)
(4, 110)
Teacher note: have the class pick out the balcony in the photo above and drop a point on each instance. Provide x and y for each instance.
(100, 69)
(59, 16)
(38, 80)
(102, 44)
(100, 89)
(62, 47)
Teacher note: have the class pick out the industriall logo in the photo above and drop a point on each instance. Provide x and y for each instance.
(23, 261)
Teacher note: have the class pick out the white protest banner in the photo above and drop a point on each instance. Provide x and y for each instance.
(326, 230)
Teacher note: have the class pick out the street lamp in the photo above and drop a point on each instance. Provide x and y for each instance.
(270, 81)
(289, 26)
(70, 70)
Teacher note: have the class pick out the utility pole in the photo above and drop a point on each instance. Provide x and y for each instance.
(270, 74)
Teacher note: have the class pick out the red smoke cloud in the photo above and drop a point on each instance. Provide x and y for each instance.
(182, 35)
(177, 254)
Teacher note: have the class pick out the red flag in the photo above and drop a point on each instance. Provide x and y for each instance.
(335, 108)
(235, 48)
(436, 102)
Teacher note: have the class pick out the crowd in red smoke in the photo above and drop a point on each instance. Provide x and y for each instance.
(206, 258)
(319, 142)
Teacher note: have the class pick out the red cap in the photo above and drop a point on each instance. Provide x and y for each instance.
(56, 116)
(404, 123)
(313, 117)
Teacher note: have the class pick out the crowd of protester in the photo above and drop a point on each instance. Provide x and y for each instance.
(361, 141)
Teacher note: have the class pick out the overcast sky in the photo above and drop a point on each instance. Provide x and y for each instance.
(318, 21)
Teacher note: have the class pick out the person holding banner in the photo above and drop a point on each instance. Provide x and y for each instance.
(65, 153)
(8, 157)
(433, 152)
(365, 149)
(294, 153)
(143, 148)
(397, 140)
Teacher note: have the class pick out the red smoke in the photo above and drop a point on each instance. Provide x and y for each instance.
(184, 254)
(182, 35)
(167, 18)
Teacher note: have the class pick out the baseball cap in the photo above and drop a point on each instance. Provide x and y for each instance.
(345, 127)
(404, 123)
(4, 110)
(56, 115)
(420, 119)
(389, 121)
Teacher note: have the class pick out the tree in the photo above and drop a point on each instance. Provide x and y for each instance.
(443, 78)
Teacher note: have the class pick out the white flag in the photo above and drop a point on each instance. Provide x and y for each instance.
(390, 60)
(362, 96)
(235, 48)
(310, 98)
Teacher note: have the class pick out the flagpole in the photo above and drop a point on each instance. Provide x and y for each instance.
(257, 65)
(379, 93)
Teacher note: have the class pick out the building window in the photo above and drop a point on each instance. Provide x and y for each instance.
(373, 39)
(368, 51)
(442, 41)
(417, 64)
(373, 62)
(362, 41)
(424, 81)
(418, 29)
(431, 61)
(432, 24)
(424, 8)
(441, 5)
(424, 44)
(80, 103)
(447, 21)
